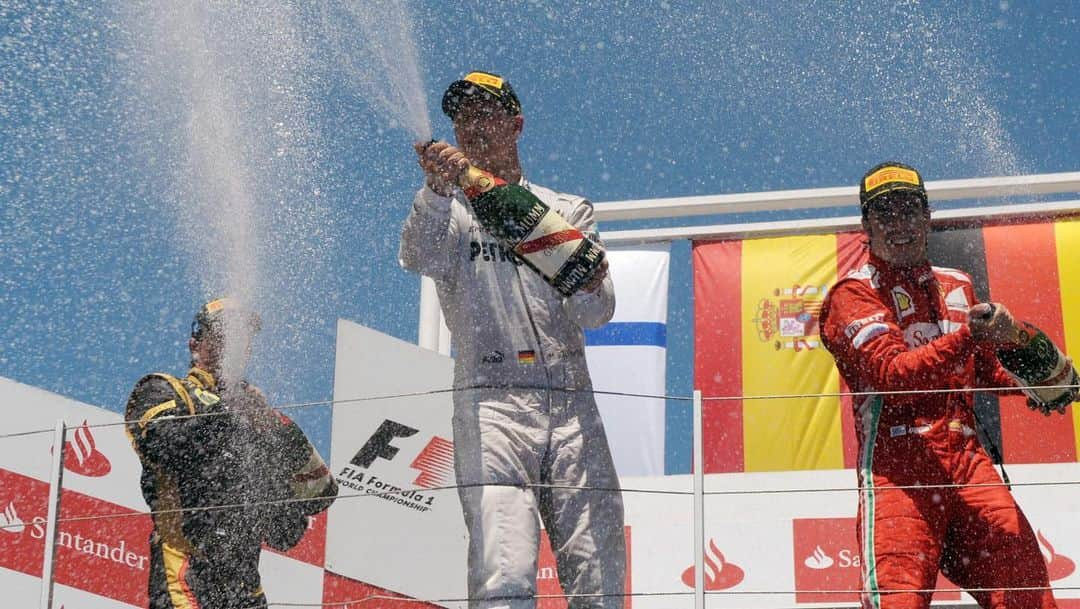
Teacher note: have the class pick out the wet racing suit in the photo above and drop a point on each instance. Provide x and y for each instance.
(515, 338)
(209, 559)
(893, 329)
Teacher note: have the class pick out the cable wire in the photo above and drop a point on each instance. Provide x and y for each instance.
(676, 398)
(401, 492)
(390, 495)
(540, 597)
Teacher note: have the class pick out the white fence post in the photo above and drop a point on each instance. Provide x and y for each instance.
(699, 504)
(56, 482)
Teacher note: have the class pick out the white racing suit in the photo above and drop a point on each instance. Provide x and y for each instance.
(517, 343)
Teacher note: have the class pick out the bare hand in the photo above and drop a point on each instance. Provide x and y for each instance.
(597, 278)
(992, 322)
(442, 163)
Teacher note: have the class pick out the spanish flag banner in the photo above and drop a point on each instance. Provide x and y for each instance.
(758, 354)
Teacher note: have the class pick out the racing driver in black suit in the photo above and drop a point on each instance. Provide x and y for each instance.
(223, 473)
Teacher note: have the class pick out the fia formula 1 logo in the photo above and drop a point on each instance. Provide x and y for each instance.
(369, 472)
(435, 461)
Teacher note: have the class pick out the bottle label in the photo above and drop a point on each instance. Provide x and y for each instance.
(578, 268)
(550, 243)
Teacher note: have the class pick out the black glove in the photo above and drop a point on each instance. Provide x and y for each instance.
(284, 527)
(1061, 402)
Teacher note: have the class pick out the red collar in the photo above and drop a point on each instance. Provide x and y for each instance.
(920, 273)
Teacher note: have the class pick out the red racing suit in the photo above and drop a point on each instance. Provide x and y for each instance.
(892, 329)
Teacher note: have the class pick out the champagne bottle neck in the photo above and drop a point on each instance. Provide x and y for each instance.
(476, 181)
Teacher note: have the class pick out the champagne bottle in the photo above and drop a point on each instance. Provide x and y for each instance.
(537, 234)
(306, 476)
(1038, 365)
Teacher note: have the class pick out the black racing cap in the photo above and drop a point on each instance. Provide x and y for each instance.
(890, 177)
(218, 310)
(480, 84)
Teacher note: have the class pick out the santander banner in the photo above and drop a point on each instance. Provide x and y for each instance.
(828, 566)
(106, 556)
(102, 552)
(781, 539)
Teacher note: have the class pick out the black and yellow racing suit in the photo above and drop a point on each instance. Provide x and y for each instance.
(201, 476)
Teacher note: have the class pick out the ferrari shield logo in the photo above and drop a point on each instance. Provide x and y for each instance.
(904, 304)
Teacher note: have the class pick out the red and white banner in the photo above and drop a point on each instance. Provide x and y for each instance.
(767, 546)
(102, 554)
(781, 540)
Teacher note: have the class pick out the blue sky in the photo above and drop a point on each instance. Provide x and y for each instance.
(111, 167)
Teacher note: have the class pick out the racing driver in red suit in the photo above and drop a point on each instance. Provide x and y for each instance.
(900, 324)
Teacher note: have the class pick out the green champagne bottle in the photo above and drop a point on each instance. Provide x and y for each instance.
(307, 478)
(1040, 368)
(537, 234)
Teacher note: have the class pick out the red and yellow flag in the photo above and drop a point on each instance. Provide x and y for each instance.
(757, 304)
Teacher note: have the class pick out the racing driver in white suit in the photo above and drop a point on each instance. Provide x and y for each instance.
(528, 438)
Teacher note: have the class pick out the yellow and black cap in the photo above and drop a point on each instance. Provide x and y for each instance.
(890, 177)
(483, 85)
(220, 310)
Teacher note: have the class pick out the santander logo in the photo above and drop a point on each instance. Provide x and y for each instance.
(819, 559)
(435, 463)
(10, 521)
(1058, 566)
(82, 456)
(719, 574)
